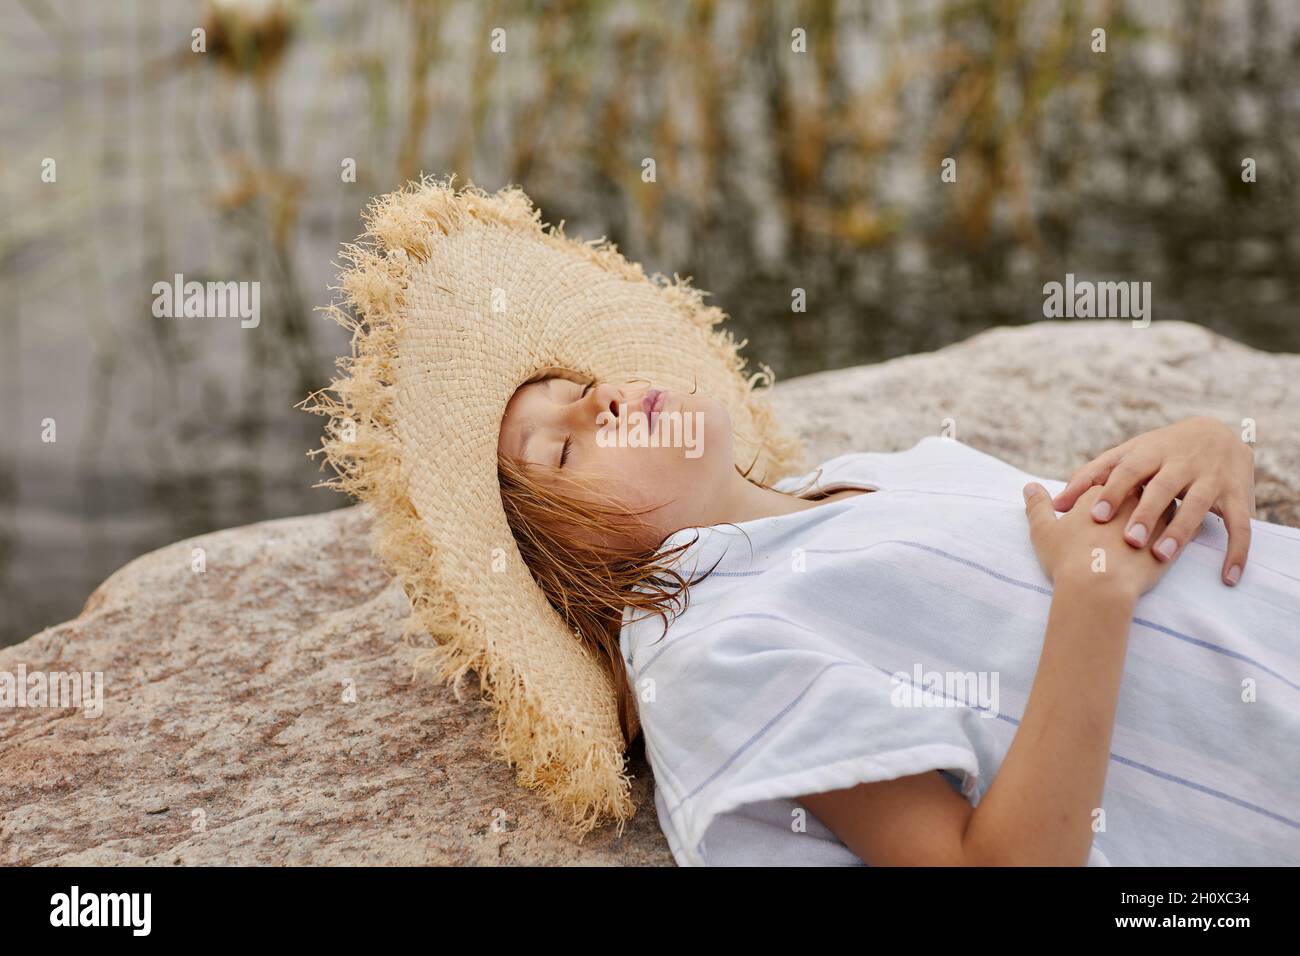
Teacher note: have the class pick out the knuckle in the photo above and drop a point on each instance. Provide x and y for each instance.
(1124, 470)
(1153, 518)
(1091, 495)
(1124, 475)
(1183, 529)
(1145, 513)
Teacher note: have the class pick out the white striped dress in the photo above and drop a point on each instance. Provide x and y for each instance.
(898, 632)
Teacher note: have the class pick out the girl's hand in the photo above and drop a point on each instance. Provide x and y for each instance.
(1200, 460)
(1076, 551)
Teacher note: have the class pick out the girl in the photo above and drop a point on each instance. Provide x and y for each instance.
(909, 658)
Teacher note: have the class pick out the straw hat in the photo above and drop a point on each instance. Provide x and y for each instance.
(455, 298)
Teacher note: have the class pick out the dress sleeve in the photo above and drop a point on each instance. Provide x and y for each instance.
(755, 707)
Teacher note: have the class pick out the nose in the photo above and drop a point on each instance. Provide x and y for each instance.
(607, 397)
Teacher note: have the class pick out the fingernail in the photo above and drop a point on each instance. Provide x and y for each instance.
(1234, 574)
(1166, 548)
(1101, 510)
(1138, 534)
(1027, 491)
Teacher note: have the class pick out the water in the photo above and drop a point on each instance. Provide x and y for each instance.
(775, 171)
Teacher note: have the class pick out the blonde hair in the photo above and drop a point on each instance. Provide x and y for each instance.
(564, 527)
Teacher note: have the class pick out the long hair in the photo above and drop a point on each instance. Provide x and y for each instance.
(563, 527)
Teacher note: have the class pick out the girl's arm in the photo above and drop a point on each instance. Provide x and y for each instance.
(1039, 808)
(1200, 460)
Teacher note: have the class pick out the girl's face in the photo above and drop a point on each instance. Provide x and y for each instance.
(656, 451)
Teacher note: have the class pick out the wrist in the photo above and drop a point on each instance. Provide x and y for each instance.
(1104, 586)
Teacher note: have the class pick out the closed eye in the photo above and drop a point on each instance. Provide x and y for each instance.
(568, 442)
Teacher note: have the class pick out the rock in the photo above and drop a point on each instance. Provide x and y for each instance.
(227, 735)
(262, 711)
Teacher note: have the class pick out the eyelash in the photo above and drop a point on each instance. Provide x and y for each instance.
(568, 442)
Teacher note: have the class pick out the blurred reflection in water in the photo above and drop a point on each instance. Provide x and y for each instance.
(776, 170)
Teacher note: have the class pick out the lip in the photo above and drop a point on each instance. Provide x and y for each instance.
(652, 403)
